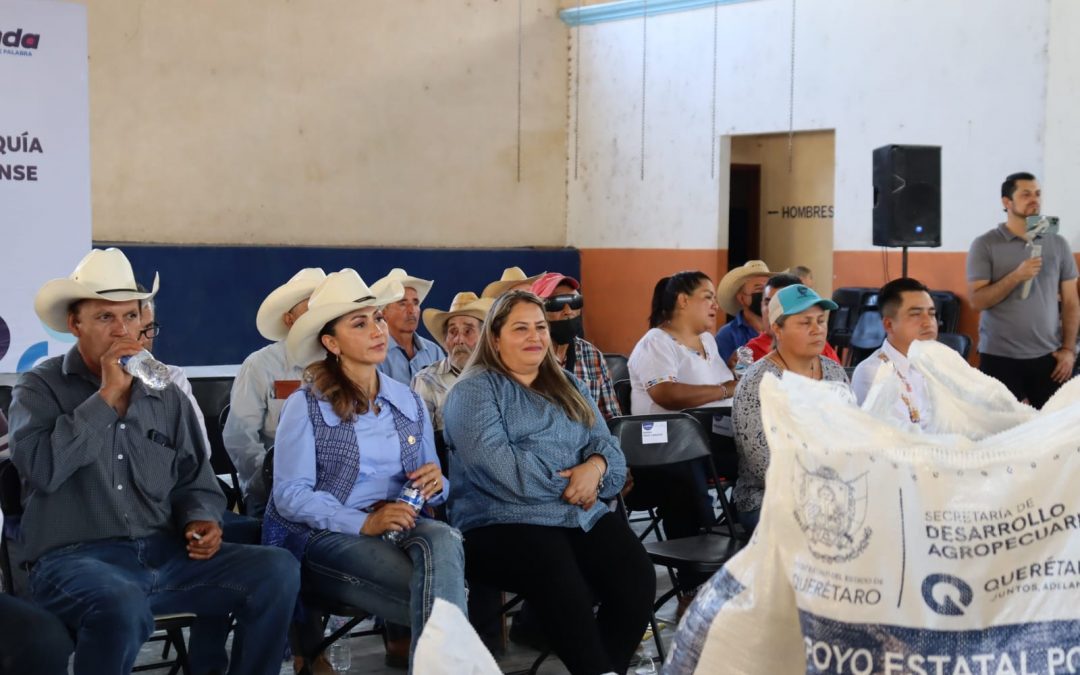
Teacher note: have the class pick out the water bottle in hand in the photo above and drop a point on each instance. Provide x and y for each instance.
(153, 373)
(413, 497)
(744, 358)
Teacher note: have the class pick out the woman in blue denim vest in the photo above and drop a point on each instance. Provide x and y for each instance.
(533, 466)
(347, 442)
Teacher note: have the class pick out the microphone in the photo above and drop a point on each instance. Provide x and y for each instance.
(1036, 251)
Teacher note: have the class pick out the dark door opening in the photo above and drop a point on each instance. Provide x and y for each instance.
(744, 214)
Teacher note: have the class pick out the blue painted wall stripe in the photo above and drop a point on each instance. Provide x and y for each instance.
(629, 9)
(209, 294)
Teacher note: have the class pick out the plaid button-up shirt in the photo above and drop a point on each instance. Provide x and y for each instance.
(590, 368)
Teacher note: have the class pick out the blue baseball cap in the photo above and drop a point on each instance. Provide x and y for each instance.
(795, 299)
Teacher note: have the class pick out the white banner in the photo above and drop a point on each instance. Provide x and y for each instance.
(44, 167)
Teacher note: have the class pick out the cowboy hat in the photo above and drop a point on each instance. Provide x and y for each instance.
(340, 293)
(100, 275)
(511, 276)
(421, 286)
(283, 298)
(733, 282)
(464, 304)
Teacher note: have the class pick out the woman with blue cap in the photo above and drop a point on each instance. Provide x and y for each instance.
(799, 318)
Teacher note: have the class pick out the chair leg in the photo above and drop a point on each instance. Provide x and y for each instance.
(656, 637)
(176, 635)
(535, 668)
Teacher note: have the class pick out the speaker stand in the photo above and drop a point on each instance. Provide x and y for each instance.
(903, 261)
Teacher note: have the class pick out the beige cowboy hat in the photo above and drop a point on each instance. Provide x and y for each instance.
(733, 282)
(269, 320)
(100, 275)
(464, 304)
(511, 276)
(342, 292)
(421, 286)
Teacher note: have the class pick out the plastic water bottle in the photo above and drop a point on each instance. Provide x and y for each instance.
(413, 497)
(153, 373)
(744, 358)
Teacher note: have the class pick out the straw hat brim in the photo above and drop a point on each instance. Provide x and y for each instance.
(302, 342)
(497, 288)
(269, 318)
(54, 298)
(435, 320)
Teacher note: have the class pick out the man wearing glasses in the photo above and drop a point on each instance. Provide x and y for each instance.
(562, 305)
(148, 330)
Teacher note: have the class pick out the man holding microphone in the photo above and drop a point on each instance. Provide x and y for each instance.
(1025, 340)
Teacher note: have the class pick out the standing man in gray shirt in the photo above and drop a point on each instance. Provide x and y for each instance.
(1025, 340)
(122, 511)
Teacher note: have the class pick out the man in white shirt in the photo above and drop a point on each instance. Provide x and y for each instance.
(908, 314)
(265, 380)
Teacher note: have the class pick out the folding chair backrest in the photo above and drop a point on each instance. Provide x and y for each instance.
(659, 440)
(622, 394)
(11, 504)
(617, 368)
(958, 341)
(5, 398)
(719, 426)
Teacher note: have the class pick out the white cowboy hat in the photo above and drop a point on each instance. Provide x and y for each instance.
(464, 304)
(269, 320)
(511, 276)
(421, 286)
(733, 282)
(342, 292)
(100, 275)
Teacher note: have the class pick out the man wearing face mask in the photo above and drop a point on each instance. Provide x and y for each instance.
(739, 295)
(562, 305)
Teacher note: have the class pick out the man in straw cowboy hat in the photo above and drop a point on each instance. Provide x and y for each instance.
(739, 295)
(408, 353)
(513, 278)
(457, 330)
(265, 380)
(122, 517)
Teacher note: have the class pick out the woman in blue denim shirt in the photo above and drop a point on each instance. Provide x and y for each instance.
(347, 442)
(533, 464)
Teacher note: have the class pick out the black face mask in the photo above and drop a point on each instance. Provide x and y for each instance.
(755, 302)
(563, 332)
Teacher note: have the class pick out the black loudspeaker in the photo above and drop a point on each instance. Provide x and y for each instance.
(907, 195)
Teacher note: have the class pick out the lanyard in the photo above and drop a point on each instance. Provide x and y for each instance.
(907, 394)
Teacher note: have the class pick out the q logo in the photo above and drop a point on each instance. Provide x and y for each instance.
(955, 596)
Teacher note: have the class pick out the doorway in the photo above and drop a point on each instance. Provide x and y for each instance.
(744, 214)
(791, 183)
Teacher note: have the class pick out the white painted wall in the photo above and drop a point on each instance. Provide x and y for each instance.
(969, 75)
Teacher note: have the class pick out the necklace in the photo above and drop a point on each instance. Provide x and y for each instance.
(783, 361)
(907, 395)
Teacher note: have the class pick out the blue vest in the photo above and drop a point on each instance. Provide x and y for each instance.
(337, 463)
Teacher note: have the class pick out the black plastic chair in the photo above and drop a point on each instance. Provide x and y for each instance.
(324, 605)
(958, 341)
(617, 368)
(222, 464)
(947, 306)
(686, 442)
(719, 426)
(622, 394)
(168, 628)
(842, 321)
(5, 398)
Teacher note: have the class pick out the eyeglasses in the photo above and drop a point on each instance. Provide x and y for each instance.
(150, 331)
(557, 303)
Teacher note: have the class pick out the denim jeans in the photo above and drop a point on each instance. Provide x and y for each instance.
(206, 646)
(32, 641)
(398, 584)
(109, 591)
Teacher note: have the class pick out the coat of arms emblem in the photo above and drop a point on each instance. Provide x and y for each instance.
(830, 511)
